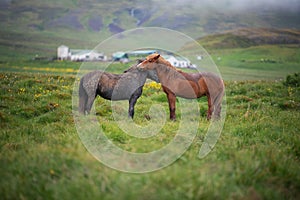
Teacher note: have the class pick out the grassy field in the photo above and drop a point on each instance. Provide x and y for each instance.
(265, 62)
(42, 157)
(41, 154)
(258, 62)
(256, 157)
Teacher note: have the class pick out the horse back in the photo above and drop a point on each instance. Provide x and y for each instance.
(120, 86)
(208, 82)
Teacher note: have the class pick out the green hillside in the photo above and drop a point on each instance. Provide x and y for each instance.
(36, 27)
(246, 37)
(255, 54)
(238, 46)
(112, 17)
(242, 54)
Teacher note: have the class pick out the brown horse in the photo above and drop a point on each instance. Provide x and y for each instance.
(187, 85)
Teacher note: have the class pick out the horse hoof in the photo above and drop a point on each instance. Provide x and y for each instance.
(147, 117)
(130, 117)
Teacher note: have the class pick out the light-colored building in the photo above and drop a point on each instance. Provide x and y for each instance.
(87, 55)
(142, 52)
(65, 53)
(179, 62)
(120, 56)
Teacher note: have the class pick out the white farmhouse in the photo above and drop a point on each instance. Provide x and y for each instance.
(179, 62)
(63, 52)
(87, 55)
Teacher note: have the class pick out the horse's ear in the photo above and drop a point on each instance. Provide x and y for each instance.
(138, 61)
(157, 56)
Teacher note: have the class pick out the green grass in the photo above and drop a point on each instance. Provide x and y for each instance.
(42, 157)
(266, 62)
(257, 62)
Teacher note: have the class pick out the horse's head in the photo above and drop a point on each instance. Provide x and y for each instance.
(149, 63)
(134, 67)
(151, 74)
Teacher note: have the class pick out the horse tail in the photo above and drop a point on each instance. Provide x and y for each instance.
(216, 92)
(217, 102)
(83, 97)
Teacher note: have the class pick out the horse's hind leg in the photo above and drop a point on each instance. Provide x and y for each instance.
(89, 104)
(172, 105)
(83, 97)
(82, 103)
(218, 105)
(210, 107)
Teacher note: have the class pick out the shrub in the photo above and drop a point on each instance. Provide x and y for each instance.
(293, 80)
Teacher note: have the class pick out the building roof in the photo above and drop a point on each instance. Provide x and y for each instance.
(63, 46)
(175, 57)
(142, 52)
(119, 54)
(79, 52)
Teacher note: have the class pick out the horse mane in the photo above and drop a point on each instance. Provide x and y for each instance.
(172, 71)
(168, 64)
(133, 67)
(129, 69)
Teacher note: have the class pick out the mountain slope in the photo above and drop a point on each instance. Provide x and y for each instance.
(246, 37)
(193, 17)
(35, 26)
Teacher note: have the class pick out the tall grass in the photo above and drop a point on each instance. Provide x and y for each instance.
(42, 157)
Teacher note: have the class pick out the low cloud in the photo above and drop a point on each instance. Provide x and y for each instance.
(236, 4)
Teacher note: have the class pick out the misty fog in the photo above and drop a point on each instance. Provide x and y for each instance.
(292, 5)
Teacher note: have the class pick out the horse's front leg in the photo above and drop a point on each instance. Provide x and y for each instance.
(172, 105)
(133, 100)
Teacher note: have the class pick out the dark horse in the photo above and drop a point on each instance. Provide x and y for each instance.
(126, 86)
(187, 85)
